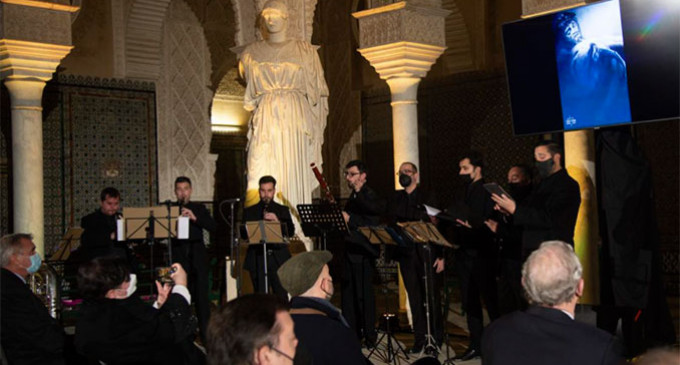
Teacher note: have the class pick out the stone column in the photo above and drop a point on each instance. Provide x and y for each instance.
(34, 37)
(402, 41)
(579, 150)
(579, 160)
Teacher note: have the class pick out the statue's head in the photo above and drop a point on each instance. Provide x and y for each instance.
(275, 16)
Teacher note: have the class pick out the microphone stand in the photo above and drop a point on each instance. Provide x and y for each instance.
(235, 251)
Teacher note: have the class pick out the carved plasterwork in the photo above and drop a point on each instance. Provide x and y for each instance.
(142, 38)
(183, 99)
(230, 85)
(458, 55)
(20, 22)
(118, 35)
(411, 24)
(350, 151)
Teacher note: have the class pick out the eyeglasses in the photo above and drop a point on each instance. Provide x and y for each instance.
(282, 353)
(352, 174)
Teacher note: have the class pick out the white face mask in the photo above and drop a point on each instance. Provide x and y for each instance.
(133, 286)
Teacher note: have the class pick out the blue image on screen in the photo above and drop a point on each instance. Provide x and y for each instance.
(591, 66)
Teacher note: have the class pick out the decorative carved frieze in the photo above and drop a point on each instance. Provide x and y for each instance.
(401, 23)
(143, 38)
(19, 21)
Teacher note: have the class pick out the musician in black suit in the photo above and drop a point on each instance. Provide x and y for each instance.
(29, 334)
(547, 332)
(407, 206)
(363, 208)
(191, 253)
(267, 209)
(99, 232)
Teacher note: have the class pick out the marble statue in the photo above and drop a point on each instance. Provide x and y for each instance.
(287, 94)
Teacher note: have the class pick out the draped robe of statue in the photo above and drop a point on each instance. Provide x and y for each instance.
(287, 94)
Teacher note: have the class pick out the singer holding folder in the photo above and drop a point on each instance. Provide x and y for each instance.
(191, 253)
(267, 209)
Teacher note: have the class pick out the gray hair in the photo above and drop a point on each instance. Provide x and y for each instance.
(551, 274)
(10, 244)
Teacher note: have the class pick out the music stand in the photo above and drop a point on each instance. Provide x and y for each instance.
(262, 233)
(151, 223)
(378, 235)
(318, 220)
(69, 242)
(426, 233)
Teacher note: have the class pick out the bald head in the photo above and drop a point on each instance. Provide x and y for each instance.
(551, 276)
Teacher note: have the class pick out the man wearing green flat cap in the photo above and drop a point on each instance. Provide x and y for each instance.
(320, 327)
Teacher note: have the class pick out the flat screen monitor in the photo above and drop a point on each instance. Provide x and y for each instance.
(608, 63)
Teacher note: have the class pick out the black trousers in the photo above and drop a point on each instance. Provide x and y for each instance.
(273, 264)
(413, 267)
(193, 257)
(477, 281)
(358, 298)
(510, 297)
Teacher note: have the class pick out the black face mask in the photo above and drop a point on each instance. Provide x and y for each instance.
(405, 180)
(544, 167)
(466, 179)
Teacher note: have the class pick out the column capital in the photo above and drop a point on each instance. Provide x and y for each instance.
(402, 59)
(24, 59)
(402, 39)
(410, 21)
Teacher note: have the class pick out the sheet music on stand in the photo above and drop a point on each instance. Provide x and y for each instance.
(422, 232)
(69, 242)
(260, 232)
(322, 220)
(264, 233)
(377, 235)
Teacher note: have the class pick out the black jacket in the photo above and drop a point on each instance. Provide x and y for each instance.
(550, 212)
(474, 205)
(256, 213)
(29, 334)
(203, 221)
(129, 331)
(323, 334)
(364, 209)
(98, 230)
(405, 207)
(547, 336)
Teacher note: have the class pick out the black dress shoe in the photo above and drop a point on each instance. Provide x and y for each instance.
(469, 354)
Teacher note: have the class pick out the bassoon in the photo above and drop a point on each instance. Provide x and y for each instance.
(322, 183)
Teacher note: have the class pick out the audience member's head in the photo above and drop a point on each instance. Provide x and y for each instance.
(252, 329)
(106, 277)
(551, 276)
(307, 275)
(660, 356)
(17, 253)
